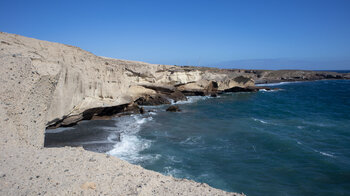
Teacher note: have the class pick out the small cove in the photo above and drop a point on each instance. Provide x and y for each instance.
(294, 141)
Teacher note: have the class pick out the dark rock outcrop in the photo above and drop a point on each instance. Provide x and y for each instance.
(173, 108)
(213, 95)
(241, 89)
(169, 92)
(99, 113)
(212, 88)
(177, 96)
(193, 93)
(250, 89)
(157, 99)
(142, 111)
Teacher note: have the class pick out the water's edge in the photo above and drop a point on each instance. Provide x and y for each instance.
(124, 140)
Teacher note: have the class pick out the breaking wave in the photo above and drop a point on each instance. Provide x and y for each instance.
(258, 120)
(277, 84)
(131, 144)
(191, 99)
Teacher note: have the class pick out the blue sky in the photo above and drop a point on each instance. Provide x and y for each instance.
(261, 34)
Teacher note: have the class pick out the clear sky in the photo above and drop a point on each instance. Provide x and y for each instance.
(279, 34)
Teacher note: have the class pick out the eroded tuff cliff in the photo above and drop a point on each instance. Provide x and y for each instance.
(43, 82)
(59, 81)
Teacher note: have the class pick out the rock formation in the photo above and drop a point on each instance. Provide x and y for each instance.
(73, 84)
(173, 108)
(51, 84)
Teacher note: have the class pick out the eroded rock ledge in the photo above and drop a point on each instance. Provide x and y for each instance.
(154, 94)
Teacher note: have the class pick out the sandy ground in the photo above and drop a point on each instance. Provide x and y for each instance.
(74, 171)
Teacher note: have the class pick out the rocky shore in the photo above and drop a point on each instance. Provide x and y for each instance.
(45, 84)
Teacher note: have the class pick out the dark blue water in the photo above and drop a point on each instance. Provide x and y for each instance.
(295, 141)
(290, 142)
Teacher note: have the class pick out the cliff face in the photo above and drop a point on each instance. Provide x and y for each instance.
(42, 83)
(60, 81)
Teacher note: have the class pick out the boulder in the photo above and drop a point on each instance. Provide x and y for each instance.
(142, 111)
(177, 96)
(213, 95)
(173, 108)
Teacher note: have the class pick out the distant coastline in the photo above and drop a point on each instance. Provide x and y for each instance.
(337, 71)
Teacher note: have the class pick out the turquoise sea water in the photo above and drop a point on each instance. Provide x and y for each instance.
(294, 141)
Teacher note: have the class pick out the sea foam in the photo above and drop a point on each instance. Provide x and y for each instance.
(191, 99)
(131, 144)
(276, 84)
(258, 120)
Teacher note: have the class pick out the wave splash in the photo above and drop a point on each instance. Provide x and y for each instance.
(131, 144)
(277, 84)
(258, 120)
(190, 99)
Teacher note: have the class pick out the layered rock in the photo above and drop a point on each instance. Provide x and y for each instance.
(77, 81)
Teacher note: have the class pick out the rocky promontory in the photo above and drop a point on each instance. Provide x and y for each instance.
(45, 84)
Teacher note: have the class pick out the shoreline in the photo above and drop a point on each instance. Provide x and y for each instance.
(259, 120)
(150, 111)
(258, 87)
(43, 81)
(130, 151)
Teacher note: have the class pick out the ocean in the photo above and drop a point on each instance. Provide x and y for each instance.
(292, 141)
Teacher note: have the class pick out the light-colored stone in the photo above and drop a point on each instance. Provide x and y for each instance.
(88, 185)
